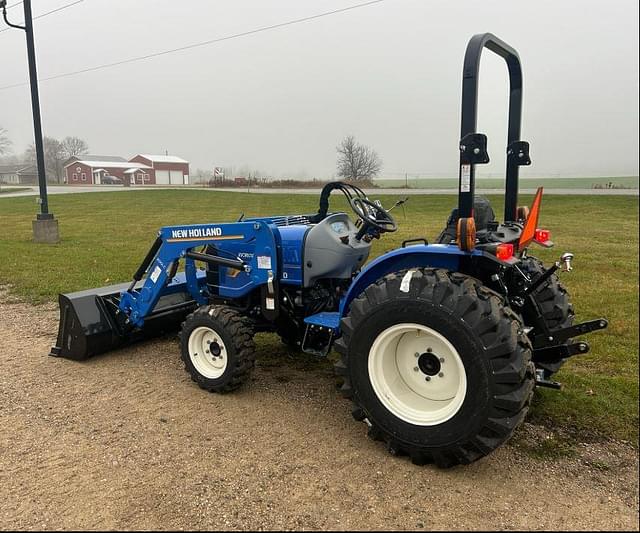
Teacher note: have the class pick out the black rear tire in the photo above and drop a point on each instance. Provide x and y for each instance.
(236, 336)
(489, 339)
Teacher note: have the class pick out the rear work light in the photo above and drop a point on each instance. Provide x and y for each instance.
(504, 251)
(542, 235)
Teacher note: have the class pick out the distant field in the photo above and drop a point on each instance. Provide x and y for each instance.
(106, 235)
(627, 182)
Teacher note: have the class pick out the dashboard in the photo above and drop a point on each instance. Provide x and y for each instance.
(339, 227)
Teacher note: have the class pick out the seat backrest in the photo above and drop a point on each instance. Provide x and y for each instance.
(482, 213)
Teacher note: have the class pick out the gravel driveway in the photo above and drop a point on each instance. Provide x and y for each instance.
(127, 441)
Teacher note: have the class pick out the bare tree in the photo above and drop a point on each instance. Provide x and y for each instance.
(74, 146)
(54, 156)
(356, 161)
(5, 142)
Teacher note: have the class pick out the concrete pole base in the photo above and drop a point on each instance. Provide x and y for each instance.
(46, 231)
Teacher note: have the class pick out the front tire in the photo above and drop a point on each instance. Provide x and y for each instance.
(217, 348)
(437, 322)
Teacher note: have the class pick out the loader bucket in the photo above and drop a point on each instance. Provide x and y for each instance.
(91, 323)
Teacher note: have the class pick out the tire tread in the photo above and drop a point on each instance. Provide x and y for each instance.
(239, 329)
(506, 346)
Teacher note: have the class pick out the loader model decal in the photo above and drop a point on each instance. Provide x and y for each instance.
(204, 233)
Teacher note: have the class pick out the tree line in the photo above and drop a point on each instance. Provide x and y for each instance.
(56, 152)
(355, 161)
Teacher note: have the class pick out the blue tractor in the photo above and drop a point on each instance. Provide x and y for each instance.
(441, 344)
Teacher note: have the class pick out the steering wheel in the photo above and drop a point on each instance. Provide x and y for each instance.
(372, 215)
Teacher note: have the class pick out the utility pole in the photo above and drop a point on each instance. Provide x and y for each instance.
(45, 226)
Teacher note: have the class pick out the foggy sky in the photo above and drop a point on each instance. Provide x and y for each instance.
(280, 101)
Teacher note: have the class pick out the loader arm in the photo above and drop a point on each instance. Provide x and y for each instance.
(175, 243)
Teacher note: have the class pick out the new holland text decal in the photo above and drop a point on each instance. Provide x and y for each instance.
(200, 233)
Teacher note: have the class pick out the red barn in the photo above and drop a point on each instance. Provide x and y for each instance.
(143, 169)
(167, 169)
(92, 172)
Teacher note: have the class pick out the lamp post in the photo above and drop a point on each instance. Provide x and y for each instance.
(45, 226)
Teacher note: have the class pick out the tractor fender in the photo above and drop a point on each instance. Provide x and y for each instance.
(419, 255)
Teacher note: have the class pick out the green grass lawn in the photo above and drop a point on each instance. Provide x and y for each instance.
(106, 235)
(627, 182)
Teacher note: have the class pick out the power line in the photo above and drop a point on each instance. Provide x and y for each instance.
(201, 43)
(48, 12)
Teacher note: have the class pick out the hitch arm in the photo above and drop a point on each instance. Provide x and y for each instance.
(564, 334)
(541, 279)
(550, 354)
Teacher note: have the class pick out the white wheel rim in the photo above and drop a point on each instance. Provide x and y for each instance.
(399, 376)
(208, 352)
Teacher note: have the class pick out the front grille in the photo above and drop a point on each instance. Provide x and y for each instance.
(291, 220)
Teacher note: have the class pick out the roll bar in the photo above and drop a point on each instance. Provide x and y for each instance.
(473, 145)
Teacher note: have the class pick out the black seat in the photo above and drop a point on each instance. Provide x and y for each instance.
(482, 213)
